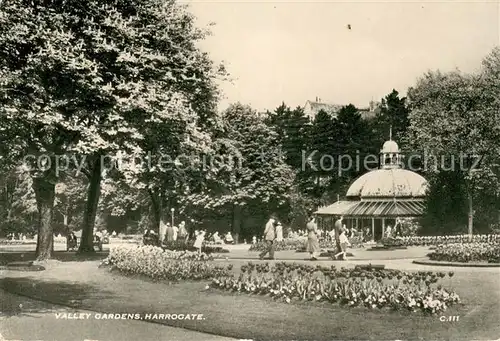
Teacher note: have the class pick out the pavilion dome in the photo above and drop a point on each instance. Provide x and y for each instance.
(390, 147)
(388, 183)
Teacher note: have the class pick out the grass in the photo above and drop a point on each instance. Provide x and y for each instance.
(83, 285)
(62, 256)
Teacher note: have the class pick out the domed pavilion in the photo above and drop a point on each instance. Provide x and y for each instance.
(378, 198)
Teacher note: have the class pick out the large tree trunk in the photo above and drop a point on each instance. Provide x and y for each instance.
(89, 216)
(236, 226)
(471, 216)
(65, 222)
(157, 206)
(45, 191)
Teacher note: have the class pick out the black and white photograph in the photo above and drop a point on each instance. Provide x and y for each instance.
(268, 170)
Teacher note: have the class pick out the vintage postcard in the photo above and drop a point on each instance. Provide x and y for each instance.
(249, 170)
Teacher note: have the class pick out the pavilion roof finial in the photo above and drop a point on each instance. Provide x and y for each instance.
(390, 132)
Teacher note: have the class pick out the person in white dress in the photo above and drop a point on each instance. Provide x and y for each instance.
(198, 243)
(176, 231)
(332, 234)
(163, 231)
(279, 232)
(229, 238)
(388, 232)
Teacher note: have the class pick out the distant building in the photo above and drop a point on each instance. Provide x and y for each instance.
(311, 109)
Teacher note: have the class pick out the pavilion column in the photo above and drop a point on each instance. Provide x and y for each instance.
(373, 229)
(383, 227)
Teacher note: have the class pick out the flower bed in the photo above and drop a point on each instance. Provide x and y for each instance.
(116, 240)
(286, 244)
(438, 240)
(180, 245)
(157, 263)
(465, 253)
(392, 242)
(356, 242)
(347, 287)
(17, 242)
(299, 244)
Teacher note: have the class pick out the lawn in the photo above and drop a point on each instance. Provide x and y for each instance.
(83, 285)
(63, 256)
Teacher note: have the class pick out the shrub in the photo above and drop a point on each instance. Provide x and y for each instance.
(157, 263)
(283, 245)
(438, 240)
(299, 244)
(17, 242)
(392, 242)
(181, 245)
(464, 253)
(347, 287)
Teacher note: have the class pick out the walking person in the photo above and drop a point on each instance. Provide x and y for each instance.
(269, 237)
(312, 238)
(344, 243)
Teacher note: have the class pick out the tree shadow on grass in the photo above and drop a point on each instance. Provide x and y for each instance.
(13, 305)
(37, 296)
(62, 256)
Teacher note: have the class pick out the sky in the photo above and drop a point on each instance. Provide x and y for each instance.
(294, 51)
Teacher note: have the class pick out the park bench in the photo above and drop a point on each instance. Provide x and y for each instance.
(151, 239)
(72, 244)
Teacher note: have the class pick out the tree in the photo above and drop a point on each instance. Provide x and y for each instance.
(83, 77)
(446, 204)
(250, 174)
(454, 119)
(34, 118)
(17, 201)
(293, 129)
(393, 114)
(70, 199)
(354, 142)
(320, 161)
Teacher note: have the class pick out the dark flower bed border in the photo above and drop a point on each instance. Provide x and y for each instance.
(188, 246)
(300, 245)
(467, 253)
(17, 242)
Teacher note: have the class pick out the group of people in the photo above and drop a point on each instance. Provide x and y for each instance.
(313, 241)
(217, 239)
(313, 233)
(171, 233)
